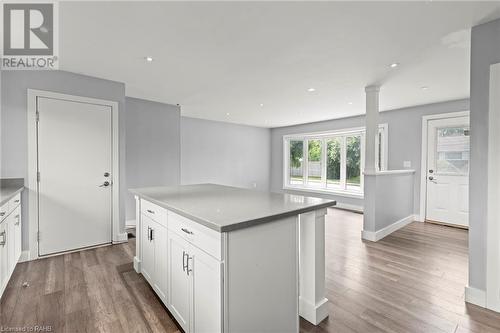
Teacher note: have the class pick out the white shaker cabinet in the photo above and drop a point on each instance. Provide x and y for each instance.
(206, 292)
(4, 258)
(160, 239)
(195, 286)
(182, 263)
(10, 239)
(148, 249)
(179, 280)
(154, 246)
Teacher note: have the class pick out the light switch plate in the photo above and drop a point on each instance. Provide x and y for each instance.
(407, 164)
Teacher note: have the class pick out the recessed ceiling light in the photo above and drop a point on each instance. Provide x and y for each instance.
(424, 88)
(311, 89)
(394, 65)
(350, 103)
(149, 59)
(261, 105)
(227, 113)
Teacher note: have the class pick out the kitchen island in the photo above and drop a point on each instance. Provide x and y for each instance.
(226, 259)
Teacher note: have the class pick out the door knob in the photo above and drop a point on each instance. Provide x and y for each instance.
(105, 184)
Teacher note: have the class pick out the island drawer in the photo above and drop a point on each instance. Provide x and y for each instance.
(154, 212)
(202, 237)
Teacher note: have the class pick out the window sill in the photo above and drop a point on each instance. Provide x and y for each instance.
(342, 193)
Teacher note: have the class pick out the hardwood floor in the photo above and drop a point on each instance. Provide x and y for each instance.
(411, 281)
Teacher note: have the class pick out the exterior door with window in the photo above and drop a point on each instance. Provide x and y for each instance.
(448, 171)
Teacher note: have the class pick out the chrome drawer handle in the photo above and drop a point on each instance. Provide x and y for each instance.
(187, 231)
(16, 201)
(184, 261)
(188, 270)
(4, 238)
(2, 213)
(150, 211)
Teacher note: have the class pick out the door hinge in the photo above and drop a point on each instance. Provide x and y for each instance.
(37, 116)
(38, 176)
(38, 236)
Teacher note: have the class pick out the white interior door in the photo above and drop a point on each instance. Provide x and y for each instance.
(74, 153)
(448, 171)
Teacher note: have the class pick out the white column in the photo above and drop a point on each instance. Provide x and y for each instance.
(313, 305)
(371, 123)
(370, 179)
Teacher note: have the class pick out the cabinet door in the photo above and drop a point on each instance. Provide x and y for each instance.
(148, 250)
(11, 243)
(3, 253)
(207, 292)
(179, 281)
(161, 260)
(17, 233)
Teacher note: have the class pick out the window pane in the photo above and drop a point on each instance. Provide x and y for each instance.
(296, 156)
(314, 163)
(452, 150)
(333, 162)
(353, 161)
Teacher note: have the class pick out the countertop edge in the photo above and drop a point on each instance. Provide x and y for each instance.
(237, 225)
(10, 196)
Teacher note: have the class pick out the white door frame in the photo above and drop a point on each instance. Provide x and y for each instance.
(493, 228)
(32, 222)
(423, 165)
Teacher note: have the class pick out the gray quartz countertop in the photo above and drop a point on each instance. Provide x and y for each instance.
(9, 188)
(225, 208)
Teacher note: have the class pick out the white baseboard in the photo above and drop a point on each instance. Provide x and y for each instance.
(137, 264)
(121, 238)
(375, 236)
(354, 208)
(313, 313)
(130, 223)
(25, 256)
(475, 296)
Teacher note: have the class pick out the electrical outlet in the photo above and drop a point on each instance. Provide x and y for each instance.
(407, 164)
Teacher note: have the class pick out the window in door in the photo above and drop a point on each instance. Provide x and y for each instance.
(452, 150)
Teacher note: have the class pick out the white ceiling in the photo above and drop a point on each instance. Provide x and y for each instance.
(222, 60)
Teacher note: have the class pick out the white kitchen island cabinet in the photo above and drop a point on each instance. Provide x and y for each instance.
(225, 259)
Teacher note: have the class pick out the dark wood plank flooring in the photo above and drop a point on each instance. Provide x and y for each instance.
(411, 281)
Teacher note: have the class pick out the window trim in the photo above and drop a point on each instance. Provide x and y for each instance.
(323, 135)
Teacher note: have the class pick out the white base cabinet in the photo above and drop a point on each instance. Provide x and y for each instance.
(10, 239)
(183, 264)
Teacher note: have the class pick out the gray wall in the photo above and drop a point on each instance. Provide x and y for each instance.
(485, 51)
(13, 127)
(223, 153)
(405, 141)
(152, 132)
